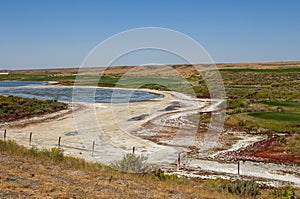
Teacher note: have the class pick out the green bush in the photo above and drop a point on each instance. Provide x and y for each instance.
(245, 188)
(132, 164)
(55, 154)
(283, 193)
(281, 139)
(159, 174)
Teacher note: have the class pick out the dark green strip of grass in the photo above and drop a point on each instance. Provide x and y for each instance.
(278, 116)
(42, 77)
(279, 103)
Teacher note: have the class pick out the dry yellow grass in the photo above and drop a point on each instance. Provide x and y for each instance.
(32, 175)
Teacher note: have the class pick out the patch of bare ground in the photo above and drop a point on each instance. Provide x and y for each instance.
(267, 150)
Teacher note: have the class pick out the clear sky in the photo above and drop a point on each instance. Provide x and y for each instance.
(60, 33)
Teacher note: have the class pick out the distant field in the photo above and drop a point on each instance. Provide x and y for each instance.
(282, 103)
(280, 70)
(278, 116)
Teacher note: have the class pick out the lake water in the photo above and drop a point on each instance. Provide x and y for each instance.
(19, 83)
(76, 94)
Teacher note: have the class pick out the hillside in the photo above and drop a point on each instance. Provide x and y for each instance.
(48, 174)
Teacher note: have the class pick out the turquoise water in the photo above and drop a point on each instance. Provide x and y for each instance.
(67, 94)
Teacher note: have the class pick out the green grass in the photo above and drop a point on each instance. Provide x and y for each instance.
(39, 77)
(54, 155)
(282, 103)
(277, 116)
(13, 107)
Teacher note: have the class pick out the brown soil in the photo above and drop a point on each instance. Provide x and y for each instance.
(267, 150)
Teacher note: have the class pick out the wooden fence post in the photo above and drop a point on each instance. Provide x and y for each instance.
(238, 167)
(93, 148)
(133, 150)
(4, 136)
(59, 138)
(178, 161)
(30, 138)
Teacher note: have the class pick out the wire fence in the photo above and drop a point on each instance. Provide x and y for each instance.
(70, 143)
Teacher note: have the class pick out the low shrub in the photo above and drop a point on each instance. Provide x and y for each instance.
(283, 193)
(242, 188)
(133, 164)
(281, 139)
(160, 175)
(245, 188)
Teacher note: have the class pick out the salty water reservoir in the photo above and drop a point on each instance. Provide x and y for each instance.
(39, 90)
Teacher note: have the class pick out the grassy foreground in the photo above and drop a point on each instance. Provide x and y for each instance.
(34, 173)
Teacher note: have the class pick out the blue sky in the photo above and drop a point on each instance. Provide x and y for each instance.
(60, 33)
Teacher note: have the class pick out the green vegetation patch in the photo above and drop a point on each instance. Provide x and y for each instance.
(278, 116)
(243, 188)
(38, 77)
(282, 103)
(13, 107)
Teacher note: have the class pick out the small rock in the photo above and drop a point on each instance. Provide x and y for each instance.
(11, 179)
(110, 179)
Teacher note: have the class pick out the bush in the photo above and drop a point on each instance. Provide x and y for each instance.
(55, 154)
(283, 193)
(242, 123)
(132, 164)
(242, 188)
(159, 174)
(238, 187)
(281, 139)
